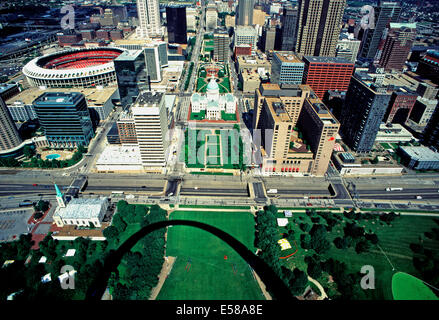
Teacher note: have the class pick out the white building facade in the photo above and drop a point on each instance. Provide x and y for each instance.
(213, 102)
(148, 12)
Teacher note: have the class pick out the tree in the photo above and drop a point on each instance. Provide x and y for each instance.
(42, 206)
(314, 269)
(38, 215)
(372, 237)
(110, 233)
(362, 246)
(140, 212)
(118, 223)
(298, 282)
(28, 151)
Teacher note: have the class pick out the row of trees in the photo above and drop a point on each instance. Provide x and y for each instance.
(266, 239)
(188, 78)
(141, 267)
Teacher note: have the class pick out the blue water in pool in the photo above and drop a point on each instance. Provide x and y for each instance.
(53, 156)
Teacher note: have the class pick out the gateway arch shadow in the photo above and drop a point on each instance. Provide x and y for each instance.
(273, 283)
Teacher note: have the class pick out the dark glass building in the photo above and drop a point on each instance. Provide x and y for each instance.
(289, 28)
(65, 119)
(131, 75)
(176, 24)
(363, 112)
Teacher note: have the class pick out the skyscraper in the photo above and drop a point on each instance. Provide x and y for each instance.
(65, 118)
(289, 28)
(327, 73)
(211, 17)
(9, 137)
(397, 46)
(319, 26)
(245, 13)
(176, 24)
(150, 118)
(130, 72)
(385, 13)
(268, 38)
(155, 58)
(286, 67)
(363, 112)
(148, 12)
(221, 46)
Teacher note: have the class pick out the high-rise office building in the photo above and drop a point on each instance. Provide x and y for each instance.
(320, 129)
(319, 26)
(211, 17)
(245, 13)
(191, 21)
(287, 68)
(385, 12)
(176, 24)
(221, 46)
(301, 144)
(259, 16)
(292, 97)
(429, 66)
(9, 137)
(289, 28)
(430, 136)
(156, 57)
(131, 75)
(151, 123)
(65, 119)
(363, 111)
(148, 12)
(348, 47)
(246, 35)
(268, 38)
(397, 46)
(327, 73)
(400, 105)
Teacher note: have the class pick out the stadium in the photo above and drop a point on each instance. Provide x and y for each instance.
(83, 68)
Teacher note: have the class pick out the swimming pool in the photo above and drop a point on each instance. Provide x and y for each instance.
(53, 156)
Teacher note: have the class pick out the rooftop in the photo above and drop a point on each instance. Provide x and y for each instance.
(96, 95)
(120, 154)
(129, 55)
(6, 86)
(313, 59)
(81, 208)
(277, 110)
(421, 153)
(287, 57)
(149, 98)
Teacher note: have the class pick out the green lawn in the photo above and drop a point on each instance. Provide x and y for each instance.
(201, 270)
(228, 154)
(198, 115)
(228, 116)
(394, 240)
(407, 287)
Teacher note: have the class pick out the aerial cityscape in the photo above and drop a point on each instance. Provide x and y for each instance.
(219, 150)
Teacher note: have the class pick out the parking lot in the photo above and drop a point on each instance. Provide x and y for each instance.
(13, 222)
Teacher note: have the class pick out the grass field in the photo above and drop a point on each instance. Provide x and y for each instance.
(201, 270)
(407, 287)
(224, 149)
(394, 240)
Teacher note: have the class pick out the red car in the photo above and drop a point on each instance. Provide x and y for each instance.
(35, 184)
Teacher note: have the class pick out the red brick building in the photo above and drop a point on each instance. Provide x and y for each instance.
(400, 106)
(397, 45)
(243, 50)
(68, 39)
(103, 34)
(327, 73)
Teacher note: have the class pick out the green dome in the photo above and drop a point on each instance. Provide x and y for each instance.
(212, 85)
